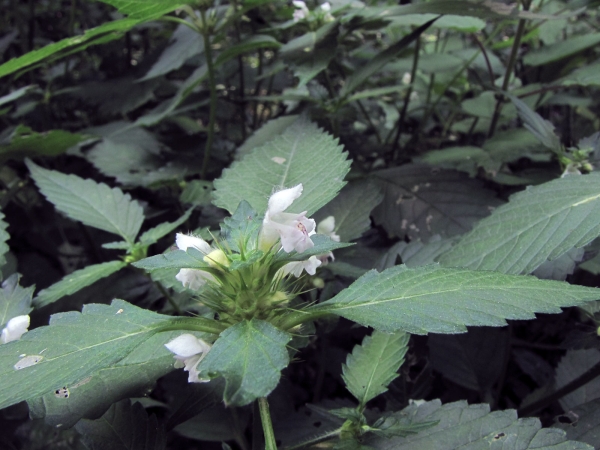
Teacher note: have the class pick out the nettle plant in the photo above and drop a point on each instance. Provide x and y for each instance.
(250, 280)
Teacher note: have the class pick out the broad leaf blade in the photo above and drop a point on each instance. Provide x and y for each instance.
(432, 299)
(123, 427)
(147, 9)
(94, 204)
(303, 153)
(374, 364)
(73, 346)
(542, 129)
(176, 259)
(14, 300)
(461, 425)
(75, 281)
(23, 141)
(154, 234)
(250, 356)
(571, 366)
(540, 223)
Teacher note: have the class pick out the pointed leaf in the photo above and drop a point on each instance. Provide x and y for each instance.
(73, 346)
(542, 129)
(148, 9)
(374, 364)
(302, 154)
(23, 141)
(123, 427)
(545, 222)
(242, 227)
(94, 204)
(75, 281)
(250, 356)
(14, 300)
(461, 425)
(432, 299)
(176, 259)
(154, 234)
(560, 50)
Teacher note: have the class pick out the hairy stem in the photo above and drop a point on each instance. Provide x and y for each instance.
(213, 93)
(265, 418)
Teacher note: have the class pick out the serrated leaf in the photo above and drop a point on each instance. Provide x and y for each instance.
(461, 425)
(176, 259)
(574, 364)
(250, 356)
(23, 142)
(352, 209)
(539, 127)
(303, 153)
(94, 204)
(582, 423)
(73, 346)
(154, 234)
(420, 201)
(432, 299)
(545, 221)
(75, 281)
(14, 300)
(374, 364)
(91, 396)
(264, 134)
(123, 427)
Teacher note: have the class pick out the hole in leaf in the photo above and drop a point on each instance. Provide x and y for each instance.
(499, 435)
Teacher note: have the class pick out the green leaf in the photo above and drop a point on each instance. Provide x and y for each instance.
(14, 300)
(432, 299)
(75, 281)
(376, 64)
(374, 364)
(176, 259)
(146, 9)
(587, 75)
(72, 347)
(23, 142)
(541, 128)
(545, 222)
(465, 159)
(4, 236)
(18, 93)
(352, 209)
(250, 44)
(197, 193)
(264, 134)
(242, 227)
(94, 204)
(302, 154)
(99, 35)
(560, 50)
(90, 397)
(571, 366)
(250, 356)
(154, 234)
(461, 425)
(123, 427)
(420, 201)
(323, 245)
(582, 423)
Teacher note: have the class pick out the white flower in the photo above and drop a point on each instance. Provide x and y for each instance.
(406, 78)
(189, 351)
(296, 268)
(14, 329)
(194, 279)
(294, 230)
(327, 227)
(326, 7)
(301, 10)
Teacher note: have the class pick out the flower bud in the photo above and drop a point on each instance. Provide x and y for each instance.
(217, 258)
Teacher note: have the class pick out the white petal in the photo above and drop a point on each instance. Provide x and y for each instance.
(326, 226)
(326, 6)
(280, 201)
(185, 241)
(299, 4)
(311, 265)
(296, 268)
(15, 328)
(187, 345)
(193, 279)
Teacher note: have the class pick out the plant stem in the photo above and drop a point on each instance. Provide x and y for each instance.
(567, 389)
(213, 93)
(193, 324)
(509, 70)
(265, 418)
(164, 292)
(299, 317)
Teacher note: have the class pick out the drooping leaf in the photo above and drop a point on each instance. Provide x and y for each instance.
(560, 50)
(374, 364)
(4, 236)
(472, 426)
(352, 209)
(24, 142)
(154, 234)
(420, 205)
(432, 299)
(94, 204)
(75, 281)
(540, 223)
(123, 427)
(574, 364)
(72, 347)
(91, 396)
(302, 154)
(250, 356)
(14, 300)
(184, 44)
(251, 44)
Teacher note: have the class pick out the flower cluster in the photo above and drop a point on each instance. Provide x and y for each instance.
(302, 12)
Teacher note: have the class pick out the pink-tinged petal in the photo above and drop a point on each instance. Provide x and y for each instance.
(15, 328)
(185, 241)
(280, 201)
(296, 268)
(187, 345)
